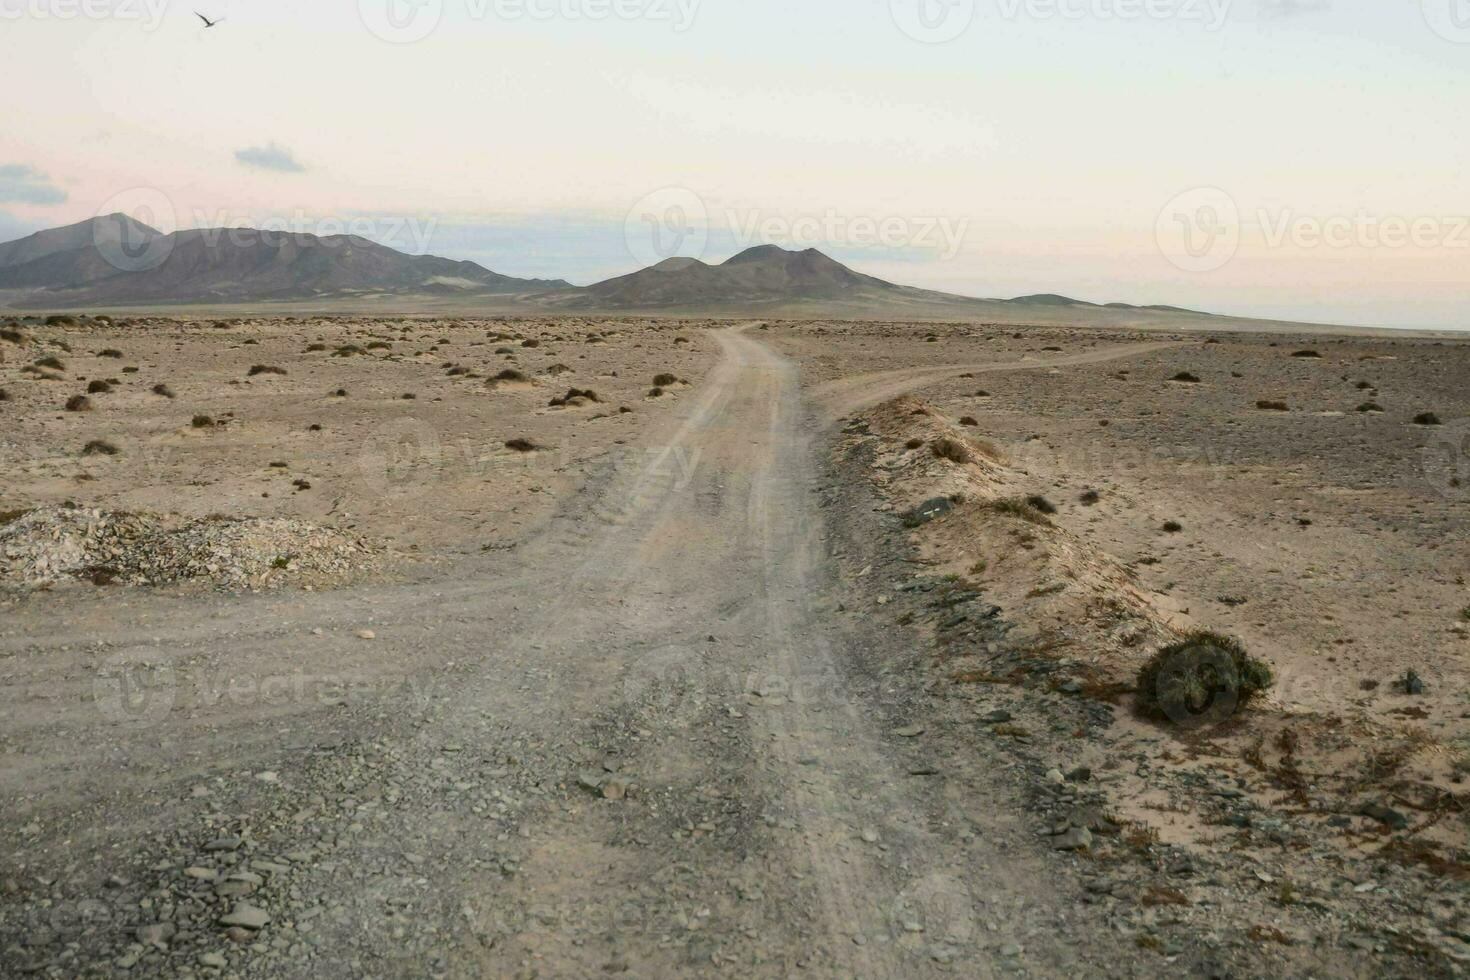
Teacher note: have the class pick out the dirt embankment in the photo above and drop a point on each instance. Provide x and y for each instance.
(1325, 803)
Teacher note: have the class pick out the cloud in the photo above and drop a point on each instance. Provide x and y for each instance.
(269, 157)
(20, 184)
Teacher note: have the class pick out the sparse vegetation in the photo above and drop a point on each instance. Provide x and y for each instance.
(163, 390)
(572, 395)
(1306, 354)
(1020, 507)
(99, 447)
(79, 403)
(1172, 527)
(1427, 418)
(98, 387)
(969, 421)
(1089, 497)
(1040, 503)
(664, 380)
(111, 352)
(520, 445)
(202, 422)
(1203, 672)
(1268, 405)
(264, 369)
(1186, 376)
(51, 361)
(1370, 407)
(952, 450)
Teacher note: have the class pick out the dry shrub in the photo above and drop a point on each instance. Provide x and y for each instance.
(1205, 675)
(1020, 507)
(264, 369)
(952, 450)
(79, 403)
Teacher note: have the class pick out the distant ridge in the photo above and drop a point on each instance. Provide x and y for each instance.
(116, 262)
(112, 260)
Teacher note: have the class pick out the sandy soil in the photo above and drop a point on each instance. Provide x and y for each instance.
(693, 711)
(428, 474)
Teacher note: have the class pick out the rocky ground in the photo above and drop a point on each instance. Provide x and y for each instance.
(718, 700)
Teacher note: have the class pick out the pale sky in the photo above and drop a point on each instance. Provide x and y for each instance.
(1004, 146)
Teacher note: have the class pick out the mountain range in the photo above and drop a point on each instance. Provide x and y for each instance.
(114, 261)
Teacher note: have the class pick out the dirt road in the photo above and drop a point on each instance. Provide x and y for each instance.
(655, 740)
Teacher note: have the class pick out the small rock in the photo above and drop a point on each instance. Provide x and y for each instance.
(156, 934)
(1385, 815)
(246, 916)
(366, 635)
(1075, 839)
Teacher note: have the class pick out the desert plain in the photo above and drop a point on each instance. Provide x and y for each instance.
(580, 645)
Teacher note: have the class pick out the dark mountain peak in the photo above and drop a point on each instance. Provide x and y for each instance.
(677, 263)
(1049, 299)
(760, 253)
(101, 231)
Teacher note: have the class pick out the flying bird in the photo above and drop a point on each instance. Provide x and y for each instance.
(207, 22)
